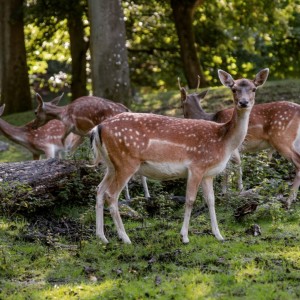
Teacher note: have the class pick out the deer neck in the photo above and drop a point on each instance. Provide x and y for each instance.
(235, 130)
(199, 114)
(13, 133)
(57, 112)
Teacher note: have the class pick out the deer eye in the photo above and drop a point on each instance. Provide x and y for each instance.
(233, 90)
(254, 90)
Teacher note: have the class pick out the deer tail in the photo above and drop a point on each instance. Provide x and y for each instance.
(96, 144)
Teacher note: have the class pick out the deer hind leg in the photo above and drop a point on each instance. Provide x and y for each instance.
(296, 183)
(145, 186)
(102, 187)
(294, 156)
(191, 193)
(208, 192)
(236, 159)
(120, 179)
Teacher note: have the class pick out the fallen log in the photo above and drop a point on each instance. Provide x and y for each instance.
(34, 185)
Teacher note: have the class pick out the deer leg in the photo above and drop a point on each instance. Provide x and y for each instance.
(127, 195)
(100, 207)
(294, 156)
(117, 184)
(145, 186)
(294, 190)
(208, 192)
(236, 158)
(191, 193)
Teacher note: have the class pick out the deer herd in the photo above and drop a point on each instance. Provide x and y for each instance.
(196, 147)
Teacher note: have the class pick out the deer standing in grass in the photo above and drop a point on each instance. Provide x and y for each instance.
(80, 117)
(167, 148)
(273, 126)
(45, 140)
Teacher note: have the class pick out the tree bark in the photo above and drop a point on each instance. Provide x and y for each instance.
(31, 186)
(183, 13)
(110, 70)
(15, 92)
(79, 48)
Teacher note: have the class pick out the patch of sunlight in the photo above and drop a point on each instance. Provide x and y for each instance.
(292, 256)
(217, 59)
(197, 285)
(3, 225)
(80, 291)
(249, 271)
(168, 40)
(247, 66)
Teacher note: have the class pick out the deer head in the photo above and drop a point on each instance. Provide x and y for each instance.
(41, 116)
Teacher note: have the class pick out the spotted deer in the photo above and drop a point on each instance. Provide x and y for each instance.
(273, 126)
(45, 140)
(79, 117)
(167, 148)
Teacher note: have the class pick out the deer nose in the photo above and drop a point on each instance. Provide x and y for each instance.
(243, 102)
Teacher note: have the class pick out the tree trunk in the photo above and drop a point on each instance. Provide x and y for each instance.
(183, 13)
(110, 70)
(15, 91)
(78, 53)
(31, 186)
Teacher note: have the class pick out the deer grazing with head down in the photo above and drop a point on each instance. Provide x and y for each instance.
(45, 140)
(167, 148)
(79, 117)
(273, 126)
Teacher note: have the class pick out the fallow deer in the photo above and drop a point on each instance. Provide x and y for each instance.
(45, 140)
(166, 148)
(273, 126)
(79, 117)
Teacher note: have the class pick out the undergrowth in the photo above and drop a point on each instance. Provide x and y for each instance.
(56, 255)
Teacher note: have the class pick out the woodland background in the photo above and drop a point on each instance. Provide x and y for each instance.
(116, 49)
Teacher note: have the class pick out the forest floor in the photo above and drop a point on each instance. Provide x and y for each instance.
(55, 254)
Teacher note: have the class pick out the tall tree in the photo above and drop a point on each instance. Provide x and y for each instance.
(183, 13)
(15, 92)
(45, 14)
(78, 49)
(110, 70)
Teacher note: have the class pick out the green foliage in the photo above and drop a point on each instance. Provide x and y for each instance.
(18, 197)
(238, 36)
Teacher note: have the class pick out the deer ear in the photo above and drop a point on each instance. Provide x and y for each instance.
(2, 109)
(225, 78)
(183, 94)
(202, 95)
(261, 77)
(39, 99)
(56, 100)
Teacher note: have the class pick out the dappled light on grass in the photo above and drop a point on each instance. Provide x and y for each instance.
(79, 291)
(247, 272)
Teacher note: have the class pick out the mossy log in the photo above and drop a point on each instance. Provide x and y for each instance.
(28, 186)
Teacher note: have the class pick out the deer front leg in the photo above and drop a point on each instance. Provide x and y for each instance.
(208, 192)
(294, 190)
(191, 192)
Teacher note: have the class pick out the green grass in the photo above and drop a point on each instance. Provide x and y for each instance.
(157, 265)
